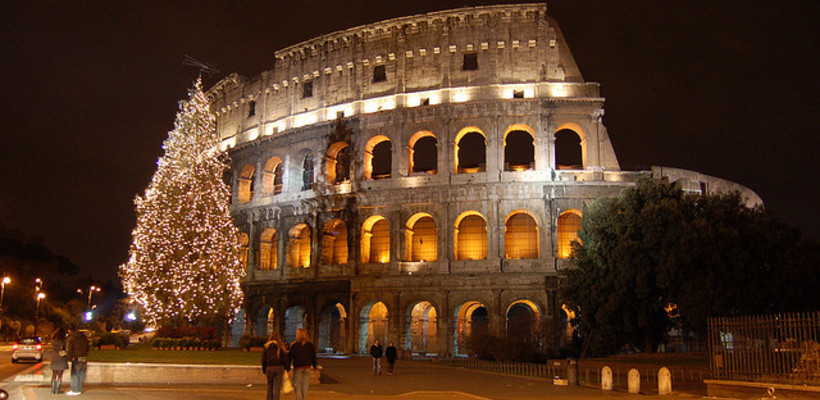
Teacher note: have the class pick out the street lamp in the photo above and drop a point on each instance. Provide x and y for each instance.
(91, 291)
(40, 296)
(6, 280)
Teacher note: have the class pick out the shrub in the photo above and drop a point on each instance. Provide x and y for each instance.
(493, 348)
(248, 341)
(117, 339)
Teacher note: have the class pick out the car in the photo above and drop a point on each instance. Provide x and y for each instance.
(27, 348)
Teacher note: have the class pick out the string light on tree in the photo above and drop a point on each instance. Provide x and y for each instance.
(184, 262)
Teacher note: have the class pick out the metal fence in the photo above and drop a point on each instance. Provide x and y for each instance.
(780, 348)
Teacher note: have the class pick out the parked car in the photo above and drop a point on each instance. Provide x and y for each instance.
(27, 348)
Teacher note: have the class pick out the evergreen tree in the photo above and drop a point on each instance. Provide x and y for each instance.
(184, 264)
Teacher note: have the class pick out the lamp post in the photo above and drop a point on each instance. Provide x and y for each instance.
(91, 291)
(6, 280)
(40, 296)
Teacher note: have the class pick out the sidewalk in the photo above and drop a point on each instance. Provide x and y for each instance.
(352, 379)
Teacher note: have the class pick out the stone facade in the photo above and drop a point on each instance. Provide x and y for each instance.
(471, 129)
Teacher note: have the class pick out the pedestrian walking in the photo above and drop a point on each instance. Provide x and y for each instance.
(274, 364)
(59, 359)
(303, 356)
(390, 354)
(376, 352)
(77, 349)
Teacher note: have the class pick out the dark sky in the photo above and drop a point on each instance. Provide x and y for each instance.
(89, 92)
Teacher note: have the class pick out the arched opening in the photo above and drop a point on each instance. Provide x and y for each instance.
(268, 257)
(334, 243)
(421, 238)
(307, 172)
(523, 322)
(299, 246)
(265, 321)
(246, 177)
(519, 148)
(521, 239)
(337, 163)
(568, 151)
(272, 176)
(333, 329)
(421, 328)
(372, 325)
(237, 327)
(423, 152)
(375, 240)
(378, 156)
(244, 247)
(472, 319)
(471, 236)
(471, 151)
(569, 223)
(295, 318)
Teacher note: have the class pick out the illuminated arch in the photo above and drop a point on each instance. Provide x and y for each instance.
(295, 318)
(519, 148)
(471, 236)
(421, 328)
(373, 324)
(569, 223)
(421, 238)
(570, 146)
(472, 318)
(265, 321)
(377, 152)
(268, 257)
(299, 246)
(333, 328)
(272, 176)
(244, 247)
(375, 240)
(521, 238)
(475, 161)
(334, 243)
(523, 321)
(337, 163)
(423, 152)
(246, 177)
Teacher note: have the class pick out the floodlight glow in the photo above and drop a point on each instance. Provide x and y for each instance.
(88, 316)
(132, 316)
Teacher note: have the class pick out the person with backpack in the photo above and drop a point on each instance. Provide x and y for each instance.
(275, 363)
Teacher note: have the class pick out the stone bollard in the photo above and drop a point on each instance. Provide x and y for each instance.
(634, 381)
(664, 381)
(606, 378)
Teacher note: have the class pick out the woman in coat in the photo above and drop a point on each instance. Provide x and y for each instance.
(303, 355)
(274, 364)
(59, 359)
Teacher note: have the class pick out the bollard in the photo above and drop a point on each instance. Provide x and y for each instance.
(572, 372)
(606, 378)
(634, 381)
(664, 381)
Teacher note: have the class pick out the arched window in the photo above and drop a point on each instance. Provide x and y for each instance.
(268, 257)
(299, 246)
(523, 319)
(471, 151)
(568, 151)
(334, 243)
(421, 238)
(569, 223)
(307, 172)
(337, 163)
(423, 152)
(521, 236)
(272, 176)
(519, 149)
(246, 177)
(376, 240)
(377, 158)
(244, 241)
(471, 236)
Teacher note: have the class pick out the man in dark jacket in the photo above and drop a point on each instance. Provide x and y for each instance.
(376, 352)
(390, 354)
(77, 349)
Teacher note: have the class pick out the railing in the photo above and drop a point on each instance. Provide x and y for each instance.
(780, 348)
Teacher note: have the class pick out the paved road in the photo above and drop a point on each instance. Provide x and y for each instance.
(351, 379)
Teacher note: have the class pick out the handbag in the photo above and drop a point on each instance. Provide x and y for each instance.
(287, 385)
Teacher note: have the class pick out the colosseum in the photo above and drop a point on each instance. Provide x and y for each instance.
(418, 180)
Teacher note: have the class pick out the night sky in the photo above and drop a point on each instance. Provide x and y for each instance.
(90, 90)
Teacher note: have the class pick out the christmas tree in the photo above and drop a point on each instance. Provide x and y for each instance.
(184, 265)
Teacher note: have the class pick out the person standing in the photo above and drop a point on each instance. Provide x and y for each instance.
(303, 355)
(77, 349)
(59, 359)
(390, 354)
(274, 364)
(376, 352)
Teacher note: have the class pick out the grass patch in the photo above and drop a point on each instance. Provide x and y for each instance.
(142, 353)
